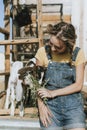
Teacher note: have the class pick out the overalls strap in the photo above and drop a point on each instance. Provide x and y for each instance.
(75, 53)
(48, 52)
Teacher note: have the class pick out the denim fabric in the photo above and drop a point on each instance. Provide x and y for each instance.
(67, 110)
(60, 75)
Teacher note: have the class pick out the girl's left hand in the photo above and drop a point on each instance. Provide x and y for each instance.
(45, 93)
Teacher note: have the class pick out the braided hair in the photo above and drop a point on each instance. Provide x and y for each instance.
(57, 27)
(65, 32)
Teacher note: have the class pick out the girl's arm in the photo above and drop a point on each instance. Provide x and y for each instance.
(44, 113)
(75, 87)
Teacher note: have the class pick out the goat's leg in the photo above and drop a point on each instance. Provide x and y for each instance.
(12, 100)
(21, 109)
(20, 96)
(7, 102)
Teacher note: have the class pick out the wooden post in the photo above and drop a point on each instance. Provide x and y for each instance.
(39, 21)
(14, 28)
(7, 47)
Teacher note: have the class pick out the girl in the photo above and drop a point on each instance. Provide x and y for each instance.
(65, 75)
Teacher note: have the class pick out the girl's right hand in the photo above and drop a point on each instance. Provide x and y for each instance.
(45, 115)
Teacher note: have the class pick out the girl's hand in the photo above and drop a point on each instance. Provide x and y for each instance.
(45, 115)
(45, 93)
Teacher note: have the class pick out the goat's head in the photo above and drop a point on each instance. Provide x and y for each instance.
(28, 80)
(31, 70)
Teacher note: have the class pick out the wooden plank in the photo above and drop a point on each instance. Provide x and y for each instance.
(5, 72)
(67, 18)
(21, 41)
(52, 18)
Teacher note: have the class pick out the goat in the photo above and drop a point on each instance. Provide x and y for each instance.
(32, 69)
(14, 90)
(26, 74)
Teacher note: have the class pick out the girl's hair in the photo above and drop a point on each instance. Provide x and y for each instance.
(57, 27)
(65, 32)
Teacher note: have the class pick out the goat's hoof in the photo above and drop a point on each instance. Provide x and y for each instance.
(21, 113)
(12, 114)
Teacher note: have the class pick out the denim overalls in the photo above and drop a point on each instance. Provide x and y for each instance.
(67, 111)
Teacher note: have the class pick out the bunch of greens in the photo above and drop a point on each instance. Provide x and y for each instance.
(34, 89)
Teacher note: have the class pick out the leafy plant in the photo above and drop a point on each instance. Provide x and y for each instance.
(34, 89)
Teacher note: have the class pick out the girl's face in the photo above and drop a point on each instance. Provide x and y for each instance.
(57, 45)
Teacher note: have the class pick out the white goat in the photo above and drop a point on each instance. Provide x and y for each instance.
(15, 90)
